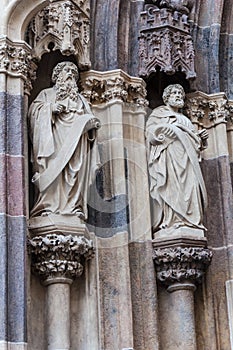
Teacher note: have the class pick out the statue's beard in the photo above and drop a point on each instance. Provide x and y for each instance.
(66, 88)
(178, 103)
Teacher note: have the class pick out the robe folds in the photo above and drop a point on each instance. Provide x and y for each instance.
(64, 163)
(176, 183)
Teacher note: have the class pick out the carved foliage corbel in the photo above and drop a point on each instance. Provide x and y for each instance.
(208, 110)
(105, 87)
(59, 256)
(16, 61)
(181, 264)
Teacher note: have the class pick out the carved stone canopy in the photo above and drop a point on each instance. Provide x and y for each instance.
(63, 25)
(165, 42)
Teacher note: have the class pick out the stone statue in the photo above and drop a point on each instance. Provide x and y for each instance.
(176, 182)
(64, 154)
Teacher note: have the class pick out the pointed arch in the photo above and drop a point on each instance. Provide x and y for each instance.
(18, 15)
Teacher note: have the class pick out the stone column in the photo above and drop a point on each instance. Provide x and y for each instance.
(214, 112)
(180, 265)
(58, 256)
(125, 271)
(16, 70)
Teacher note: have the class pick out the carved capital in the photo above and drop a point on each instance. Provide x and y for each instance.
(165, 42)
(103, 87)
(63, 25)
(208, 110)
(16, 61)
(59, 256)
(181, 260)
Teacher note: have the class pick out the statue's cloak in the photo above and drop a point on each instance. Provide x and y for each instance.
(176, 182)
(63, 161)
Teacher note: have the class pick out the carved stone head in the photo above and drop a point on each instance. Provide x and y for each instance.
(174, 95)
(67, 67)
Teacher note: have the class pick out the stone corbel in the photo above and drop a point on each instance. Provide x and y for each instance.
(59, 251)
(180, 261)
(180, 265)
(16, 61)
(104, 87)
(58, 257)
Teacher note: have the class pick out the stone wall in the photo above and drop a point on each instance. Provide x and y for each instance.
(117, 303)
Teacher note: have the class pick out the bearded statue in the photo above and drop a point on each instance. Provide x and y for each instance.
(64, 153)
(176, 183)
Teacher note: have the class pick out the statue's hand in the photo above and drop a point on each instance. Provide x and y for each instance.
(93, 123)
(162, 135)
(58, 108)
(203, 134)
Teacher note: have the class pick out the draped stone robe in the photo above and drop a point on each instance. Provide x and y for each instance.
(63, 161)
(176, 183)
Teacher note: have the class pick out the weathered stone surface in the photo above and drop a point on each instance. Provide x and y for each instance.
(144, 296)
(211, 304)
(3, 277)
(225, 65)
(16, 186)
(218, 218)
(165, 32)
(115, 292)
(206, 45)
(16, 292)
(15, 125)
(3, 122)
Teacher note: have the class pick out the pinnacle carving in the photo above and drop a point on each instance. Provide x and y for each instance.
(165, 42)
(65, 26)
(180, 264)
(102, 88)
(57, 255)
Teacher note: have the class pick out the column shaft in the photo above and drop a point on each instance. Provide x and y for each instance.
(181, 321)
(58, 316)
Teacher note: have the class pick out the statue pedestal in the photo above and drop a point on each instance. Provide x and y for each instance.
(58, 224)
(59, 246)
(182, 231)
(180, 263)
